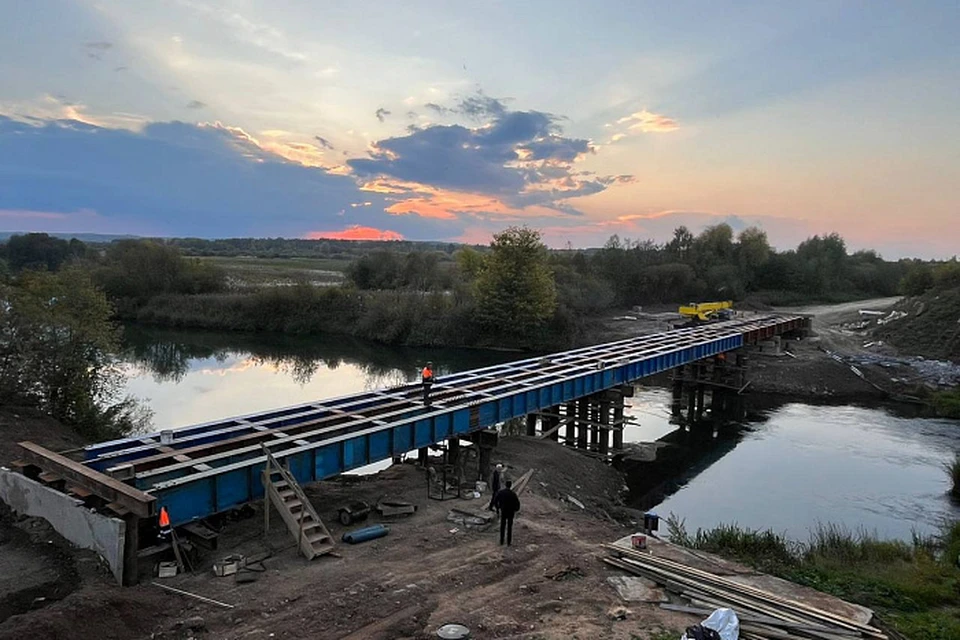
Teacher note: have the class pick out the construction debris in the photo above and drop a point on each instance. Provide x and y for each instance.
(762, 614)
(193, 595)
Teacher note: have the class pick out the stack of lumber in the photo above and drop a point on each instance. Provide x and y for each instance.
(763, 615)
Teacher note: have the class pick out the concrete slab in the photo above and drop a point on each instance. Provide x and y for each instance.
(68, 516)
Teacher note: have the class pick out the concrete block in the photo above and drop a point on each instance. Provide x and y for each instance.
(68, 516)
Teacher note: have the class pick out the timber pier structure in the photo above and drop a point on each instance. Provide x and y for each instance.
(575, 396)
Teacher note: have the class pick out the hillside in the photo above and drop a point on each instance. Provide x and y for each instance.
(927, 325)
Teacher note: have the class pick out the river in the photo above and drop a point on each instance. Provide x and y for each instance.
(790, 467)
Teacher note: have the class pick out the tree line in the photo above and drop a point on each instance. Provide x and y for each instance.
(60, 300)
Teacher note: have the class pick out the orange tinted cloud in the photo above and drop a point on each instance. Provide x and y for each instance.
(355, 232)
(649, 122)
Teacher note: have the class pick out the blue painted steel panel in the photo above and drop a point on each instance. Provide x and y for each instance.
(188, 502)
(329, 460)
(231, 489)
(461, 421)
(424, 433)
(355, 452)
(402, 438)
(442, 426)
(380, 445)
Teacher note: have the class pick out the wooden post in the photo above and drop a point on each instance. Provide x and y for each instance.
(594, 419)
(484, 463)
(700, 389)
(531, 424)
(603, 434)
(583, 411)
(131, 550)
(552, 422)
(618, 423)
(423, 455)
(453, 450)
(570, 437)
(677, 390)
(266, 498)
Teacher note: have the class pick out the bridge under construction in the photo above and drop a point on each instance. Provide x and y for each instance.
(575, 396)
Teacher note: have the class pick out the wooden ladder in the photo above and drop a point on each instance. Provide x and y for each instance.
(283, 490)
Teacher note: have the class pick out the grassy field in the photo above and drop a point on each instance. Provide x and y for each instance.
(255, 272)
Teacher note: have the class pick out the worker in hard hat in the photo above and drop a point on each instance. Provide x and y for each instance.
(426, 378)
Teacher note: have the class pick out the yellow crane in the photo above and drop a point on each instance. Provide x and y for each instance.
(706, 311)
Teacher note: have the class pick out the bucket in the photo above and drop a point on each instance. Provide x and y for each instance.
(166, 436)
(638, 541)
(651, 522)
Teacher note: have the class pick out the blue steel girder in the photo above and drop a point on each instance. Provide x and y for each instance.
(329, 437)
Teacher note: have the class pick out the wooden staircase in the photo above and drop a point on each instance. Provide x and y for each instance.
(283, 490)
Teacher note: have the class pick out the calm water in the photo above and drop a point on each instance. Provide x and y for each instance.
(795, 466)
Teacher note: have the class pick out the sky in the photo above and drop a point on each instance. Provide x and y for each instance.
(434, 120)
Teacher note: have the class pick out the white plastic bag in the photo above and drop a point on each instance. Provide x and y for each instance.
(724, 622)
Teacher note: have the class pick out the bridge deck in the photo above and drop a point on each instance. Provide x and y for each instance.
(215, 466)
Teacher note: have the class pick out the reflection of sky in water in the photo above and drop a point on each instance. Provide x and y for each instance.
(805, 464)
(860, 467)
(213, 389)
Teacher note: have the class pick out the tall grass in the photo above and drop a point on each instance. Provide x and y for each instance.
(953, 470)
(947, 403)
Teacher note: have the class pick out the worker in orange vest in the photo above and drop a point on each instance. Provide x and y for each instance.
(165, 529)
(426, 377)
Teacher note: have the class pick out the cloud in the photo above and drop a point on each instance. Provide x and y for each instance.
(175, 178)
(648, 122)
(382, 114)
(355, 232)
(324, 142)
(433, 106)
(100, 46)
(196, 104)
(264, 36)
(120, 68)
(480, 106)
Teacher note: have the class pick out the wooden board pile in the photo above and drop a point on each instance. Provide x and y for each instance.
(763, 615)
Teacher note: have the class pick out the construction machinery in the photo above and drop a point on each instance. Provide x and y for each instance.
(697, 312)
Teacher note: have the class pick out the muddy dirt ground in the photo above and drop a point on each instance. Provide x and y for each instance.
(427, 572)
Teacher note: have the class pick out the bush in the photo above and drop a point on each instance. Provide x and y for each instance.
(953, 471)
(140, 269)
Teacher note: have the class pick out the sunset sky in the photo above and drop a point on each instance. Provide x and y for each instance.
(432, 120)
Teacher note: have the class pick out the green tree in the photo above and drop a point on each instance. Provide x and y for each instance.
(469, 262)
(918, 280)
(57, 346)
(681, 244)
(516, 292)
(753, 251)
(41, 251)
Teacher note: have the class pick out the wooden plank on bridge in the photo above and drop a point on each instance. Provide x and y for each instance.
(112, 490)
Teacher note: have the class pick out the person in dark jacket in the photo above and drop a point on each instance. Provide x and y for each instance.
(507, 502)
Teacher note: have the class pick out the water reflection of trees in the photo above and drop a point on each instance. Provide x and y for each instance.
(168, 354)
